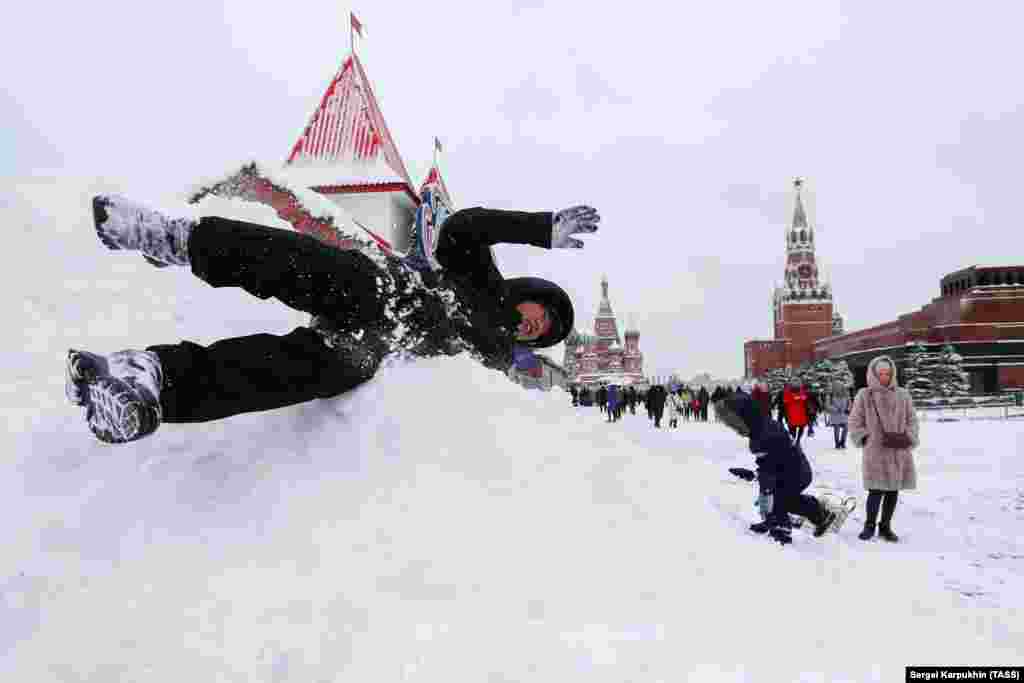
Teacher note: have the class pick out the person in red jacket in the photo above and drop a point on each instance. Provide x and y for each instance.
(794, 399)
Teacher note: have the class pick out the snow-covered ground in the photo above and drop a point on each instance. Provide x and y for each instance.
(442, 524)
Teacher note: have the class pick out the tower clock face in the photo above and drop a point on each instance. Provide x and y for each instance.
(805, 271)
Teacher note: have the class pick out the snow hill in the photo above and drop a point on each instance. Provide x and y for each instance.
(441, 523)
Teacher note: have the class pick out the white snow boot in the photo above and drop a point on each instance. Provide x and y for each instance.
(124, 224)
(121, 392)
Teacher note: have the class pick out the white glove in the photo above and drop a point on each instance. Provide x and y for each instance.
(572, 221)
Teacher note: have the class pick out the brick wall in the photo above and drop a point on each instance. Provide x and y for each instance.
(879, 336)
(1002, 305)
(966, 332)
(803, 324)
(1011, 376)
(760, 356)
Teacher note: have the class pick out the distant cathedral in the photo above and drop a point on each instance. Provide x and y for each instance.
(601, 358)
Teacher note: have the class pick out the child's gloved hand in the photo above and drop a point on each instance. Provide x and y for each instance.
(743, 473)
(572, 221)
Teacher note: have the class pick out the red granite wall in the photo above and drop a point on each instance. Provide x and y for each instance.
(761, 356)
(803, 324)
(1011, 376)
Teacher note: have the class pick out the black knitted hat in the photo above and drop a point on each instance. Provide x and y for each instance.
(555, 301)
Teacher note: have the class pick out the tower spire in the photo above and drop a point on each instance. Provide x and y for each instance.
(605, 326)
(799, 214)
(802, 279)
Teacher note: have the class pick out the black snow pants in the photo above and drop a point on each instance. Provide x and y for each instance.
(796, 503)
(265, 371)
(789, 498)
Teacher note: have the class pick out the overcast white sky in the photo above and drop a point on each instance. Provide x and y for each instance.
(684, 125)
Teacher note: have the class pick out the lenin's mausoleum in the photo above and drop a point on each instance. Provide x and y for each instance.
(978, 310)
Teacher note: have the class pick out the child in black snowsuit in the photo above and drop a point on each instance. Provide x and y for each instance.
(367, 305)
(783, 471)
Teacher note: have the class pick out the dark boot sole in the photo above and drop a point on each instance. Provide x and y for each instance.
(114, 413)
(100, 216)
(81, 368)
(117, 411)
(821, 529)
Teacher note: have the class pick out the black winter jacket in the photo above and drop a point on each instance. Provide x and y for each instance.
(462, 307)
(656, 397)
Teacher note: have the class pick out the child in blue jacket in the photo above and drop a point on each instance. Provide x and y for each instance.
(783, 472)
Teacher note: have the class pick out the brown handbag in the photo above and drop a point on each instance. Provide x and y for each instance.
(896, 440)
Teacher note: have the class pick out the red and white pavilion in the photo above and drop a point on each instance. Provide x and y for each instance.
(347, 154)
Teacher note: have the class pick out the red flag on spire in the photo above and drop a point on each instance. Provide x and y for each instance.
(358, 27)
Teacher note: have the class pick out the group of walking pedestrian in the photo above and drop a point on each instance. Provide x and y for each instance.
(687, 404)
(611, 399)
(660, 402)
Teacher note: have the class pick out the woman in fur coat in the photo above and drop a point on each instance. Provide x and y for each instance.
(884, 406)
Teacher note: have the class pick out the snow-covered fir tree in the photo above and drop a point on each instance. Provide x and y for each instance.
(842, 373)
(821, 375)
(817, 376)
(918, 371)
(777, 379)
(948, 375)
